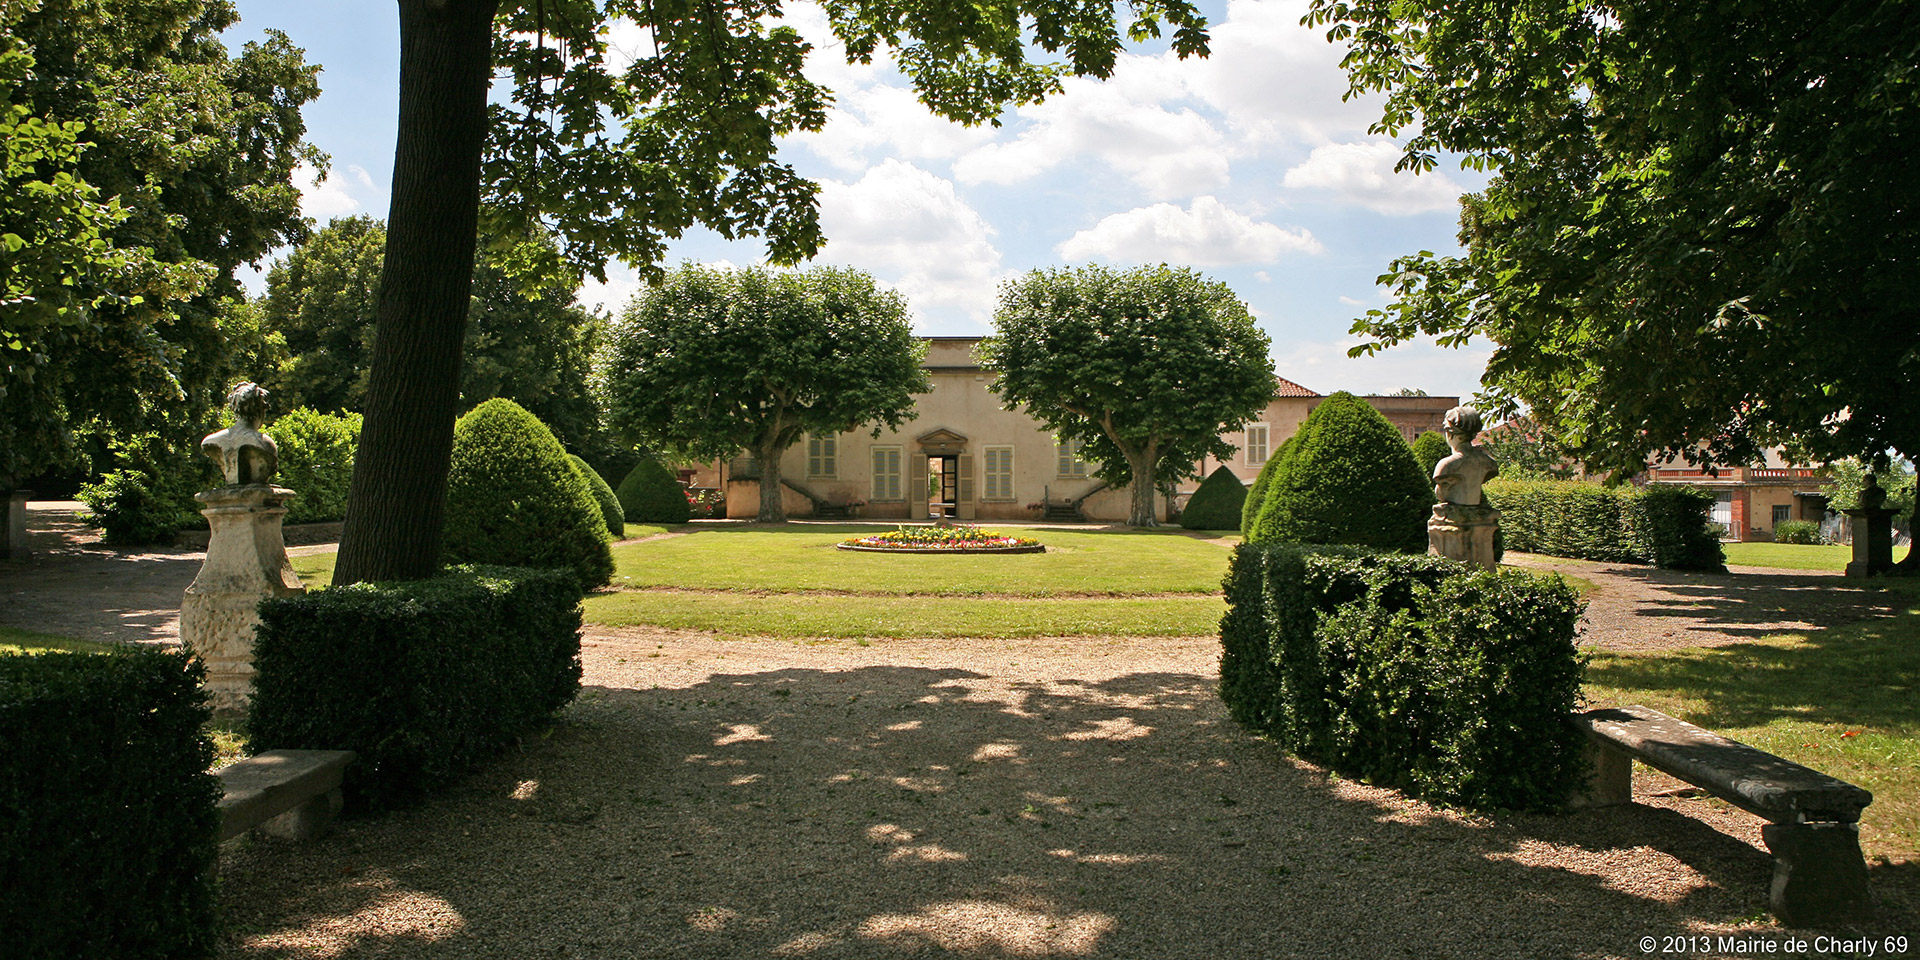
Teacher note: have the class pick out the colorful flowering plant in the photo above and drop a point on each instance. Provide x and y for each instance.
(958, 536)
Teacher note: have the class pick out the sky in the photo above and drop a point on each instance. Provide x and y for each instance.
(1247, 166)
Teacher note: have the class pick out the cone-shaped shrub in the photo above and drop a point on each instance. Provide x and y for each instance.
(1216, 505)
(652, 494)
(513, 498)
(1257, 494)
(1430, 448)
(1347, 477)
(604, 496)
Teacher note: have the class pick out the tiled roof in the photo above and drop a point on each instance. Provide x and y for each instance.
(1287, 388)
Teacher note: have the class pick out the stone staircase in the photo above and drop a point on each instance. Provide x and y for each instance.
(1062, 513)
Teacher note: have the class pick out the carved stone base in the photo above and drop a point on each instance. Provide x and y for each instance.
(1460, 531)
(246, 563)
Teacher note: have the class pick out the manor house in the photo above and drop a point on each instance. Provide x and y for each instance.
(966, 455)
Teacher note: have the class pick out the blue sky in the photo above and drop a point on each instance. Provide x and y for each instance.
(1247, 166)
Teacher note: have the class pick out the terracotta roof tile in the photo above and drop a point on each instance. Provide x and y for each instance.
(1287, 388)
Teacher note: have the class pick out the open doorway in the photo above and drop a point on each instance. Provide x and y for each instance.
(943, 486)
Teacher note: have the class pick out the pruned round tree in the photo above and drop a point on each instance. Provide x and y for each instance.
(710, 362)
(1257, 493)
(514, 499)
(1132, 363)
(603, 495)
(1429, 448)
(1216, 505)
(1347, 477)
(652, 494)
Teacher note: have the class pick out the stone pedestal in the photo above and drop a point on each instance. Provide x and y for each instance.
(14, 547)
(1872, 541)
(246, 563)
(1461, 531)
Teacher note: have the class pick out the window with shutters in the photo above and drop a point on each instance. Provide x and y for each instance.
(1067, 452)
(998, 473)
(886, 473)
(823, 457)
(1256, 444)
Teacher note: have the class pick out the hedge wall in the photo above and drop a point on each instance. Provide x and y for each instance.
(108, 817)
(423, 679)
(1444, 680)
(1662, 525)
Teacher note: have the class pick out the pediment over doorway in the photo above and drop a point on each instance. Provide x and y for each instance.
(941, 441)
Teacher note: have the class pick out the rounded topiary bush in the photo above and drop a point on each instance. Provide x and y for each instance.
(1430, 448)
(1347, 477)
(652, 494)
(603, 495)
(1216, 505)
(513, 498)
(1257, 494)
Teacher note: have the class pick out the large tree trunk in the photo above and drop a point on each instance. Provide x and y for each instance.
(1141, 462)
(396, 505)
(773, 507)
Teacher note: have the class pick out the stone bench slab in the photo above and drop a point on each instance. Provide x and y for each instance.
(1754, 780)
(292, 792)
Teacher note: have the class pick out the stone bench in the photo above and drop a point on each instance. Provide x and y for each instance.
(1813, 829)
(288, 793)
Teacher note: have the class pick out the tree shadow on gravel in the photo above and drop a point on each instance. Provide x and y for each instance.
(891, 811)
(1728, 600)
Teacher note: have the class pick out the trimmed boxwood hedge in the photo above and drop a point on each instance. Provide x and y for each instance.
(1217, 504)
(423, 679)
(604, 496)
(652, 494)
(1661, 524)
(108, 817)
(514, 499)
(1257, 492)
(316, 461)
(1429, 448)
(1445, 680)
(1348, 477)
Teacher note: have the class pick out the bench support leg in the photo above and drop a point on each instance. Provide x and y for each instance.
(1819, 874)
(307, 821)
(1609, 779)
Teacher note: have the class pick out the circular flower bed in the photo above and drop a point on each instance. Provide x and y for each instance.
(960, 538)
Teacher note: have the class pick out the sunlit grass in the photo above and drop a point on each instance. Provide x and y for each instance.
(1795, 556)
(15, 641)
(832, 615)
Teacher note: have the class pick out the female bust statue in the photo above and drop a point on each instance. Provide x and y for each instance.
(245, 455)
(1457, 478)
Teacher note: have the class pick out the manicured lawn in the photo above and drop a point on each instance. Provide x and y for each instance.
(1844, 701)
(1794, 556)
(802, 558)
(837, 615)
(316, 569)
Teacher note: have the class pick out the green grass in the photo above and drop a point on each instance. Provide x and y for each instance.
(836, 615)
(316, 569)
(14, 641)
(1844, 701)
(1794, 556)
(803, 558)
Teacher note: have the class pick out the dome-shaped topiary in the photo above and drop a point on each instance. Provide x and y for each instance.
(1257, 494)
(604, 496)
(1430, 448)
(514, 499)
(1216, 505)
(652, 494)
(1348, 477)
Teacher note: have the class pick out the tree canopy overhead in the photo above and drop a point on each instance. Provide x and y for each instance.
(1145, 366)
(709, 362)
(617, 161)
(1701, 232)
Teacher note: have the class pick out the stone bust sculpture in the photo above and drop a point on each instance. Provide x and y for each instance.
(1871, 496)
(245, 455)
(1457, 478)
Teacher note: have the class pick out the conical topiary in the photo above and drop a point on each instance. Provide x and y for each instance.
(604, 496)
(513, 498)
(1257, 494)
(651, 494)
(1430, 448)
(1216, 505)
(1348, 477)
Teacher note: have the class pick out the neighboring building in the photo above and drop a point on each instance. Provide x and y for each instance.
(962, 448)
(1748, 501)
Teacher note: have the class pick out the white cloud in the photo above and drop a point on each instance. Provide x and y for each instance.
(328, 198)
(1362, 174)
(912, 231)
(888, 121)
(1206, 234)
(1276, 79)
(1324, 367)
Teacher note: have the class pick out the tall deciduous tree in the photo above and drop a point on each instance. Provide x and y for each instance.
(618, 158)
(144, 164)
(709, 362)
(1138, 364)
(1703, 227)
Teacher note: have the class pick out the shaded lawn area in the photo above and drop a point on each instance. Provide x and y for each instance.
(1795, 556)
(17, 641)
(1844, 701)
